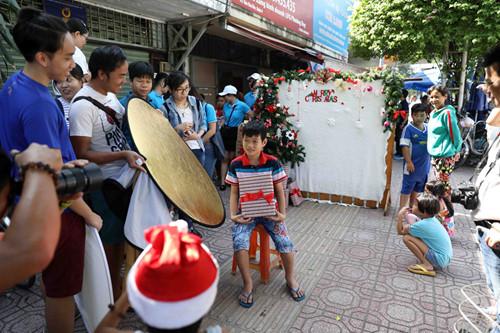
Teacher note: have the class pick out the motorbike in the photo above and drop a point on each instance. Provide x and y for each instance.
(474, 141)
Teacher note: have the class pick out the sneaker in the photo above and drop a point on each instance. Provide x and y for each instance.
(398, 157)
(195, 232)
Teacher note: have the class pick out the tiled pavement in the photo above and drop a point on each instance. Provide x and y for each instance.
(349, 260)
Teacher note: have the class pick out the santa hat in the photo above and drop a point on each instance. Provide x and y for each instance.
(173, 283)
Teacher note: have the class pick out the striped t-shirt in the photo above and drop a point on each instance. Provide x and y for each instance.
(241, 167)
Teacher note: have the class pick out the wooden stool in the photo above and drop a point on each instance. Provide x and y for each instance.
(265, 264)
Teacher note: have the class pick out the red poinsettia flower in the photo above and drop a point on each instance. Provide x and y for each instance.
(348, 80)
(282, 78)
(301, 71)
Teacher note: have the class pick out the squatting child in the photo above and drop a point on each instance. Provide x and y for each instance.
(426, 239)
(254, 161)
(446, 212)
(417, 160)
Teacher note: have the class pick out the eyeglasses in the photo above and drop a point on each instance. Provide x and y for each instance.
(183, 91)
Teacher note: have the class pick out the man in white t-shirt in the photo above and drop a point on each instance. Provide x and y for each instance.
(96, 136)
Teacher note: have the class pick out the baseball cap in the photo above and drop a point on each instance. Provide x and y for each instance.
(229, 89)
(255, 76)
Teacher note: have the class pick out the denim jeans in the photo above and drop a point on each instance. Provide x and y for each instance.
(210, 160)
(277, 230)
(200, 155)
(491, 259)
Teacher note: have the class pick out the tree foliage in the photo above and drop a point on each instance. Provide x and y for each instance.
(421, 29)
(8, 9)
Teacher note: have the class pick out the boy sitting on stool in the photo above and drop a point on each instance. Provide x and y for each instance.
(427, 238)
(254, 162)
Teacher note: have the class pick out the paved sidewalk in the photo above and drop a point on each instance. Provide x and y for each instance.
(349, 260)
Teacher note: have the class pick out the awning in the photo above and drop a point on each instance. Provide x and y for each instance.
(274, 43)
(424, 80)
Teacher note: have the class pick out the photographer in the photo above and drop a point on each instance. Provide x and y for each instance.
(30, 242)
(487, 214)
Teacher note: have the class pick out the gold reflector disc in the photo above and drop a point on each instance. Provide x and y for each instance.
(172, 165)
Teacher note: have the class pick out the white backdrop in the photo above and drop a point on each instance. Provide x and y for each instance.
(344, 139)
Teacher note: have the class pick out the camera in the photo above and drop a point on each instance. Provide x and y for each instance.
(79, 179)
(466, 195)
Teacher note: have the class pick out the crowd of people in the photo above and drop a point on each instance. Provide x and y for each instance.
(87, 122)
(433, 140)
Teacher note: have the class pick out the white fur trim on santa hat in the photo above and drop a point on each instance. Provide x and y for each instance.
(170, 315)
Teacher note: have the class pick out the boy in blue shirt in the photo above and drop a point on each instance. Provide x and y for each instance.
(417, 159)
(140, 77)
(253, 162)
(427, 238)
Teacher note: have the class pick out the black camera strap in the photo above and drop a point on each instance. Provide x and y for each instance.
(233, 107)
(109, 111)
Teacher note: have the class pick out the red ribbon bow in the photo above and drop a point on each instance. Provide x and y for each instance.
(401, 112)
(256, 196)
(296, 191)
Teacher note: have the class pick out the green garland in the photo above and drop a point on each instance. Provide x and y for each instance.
(282, 137)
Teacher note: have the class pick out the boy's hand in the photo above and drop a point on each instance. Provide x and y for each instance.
(403, 211)
(279, 217)
(410, 167)
(240, 218)
(94, 220)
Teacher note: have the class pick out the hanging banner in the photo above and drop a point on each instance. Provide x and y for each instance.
(65, 10)
(330, 23)
(296, 15)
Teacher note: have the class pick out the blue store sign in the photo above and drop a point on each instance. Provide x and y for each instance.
(330, 25)
(65, 10)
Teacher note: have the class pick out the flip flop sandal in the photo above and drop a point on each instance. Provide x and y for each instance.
(247, 304)
(296, 298)
(421, 271)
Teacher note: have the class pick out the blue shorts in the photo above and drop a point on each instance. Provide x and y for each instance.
(414, 183)
(277, 231)
(431, 256)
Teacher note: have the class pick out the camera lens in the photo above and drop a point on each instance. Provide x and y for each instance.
(80, 179)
